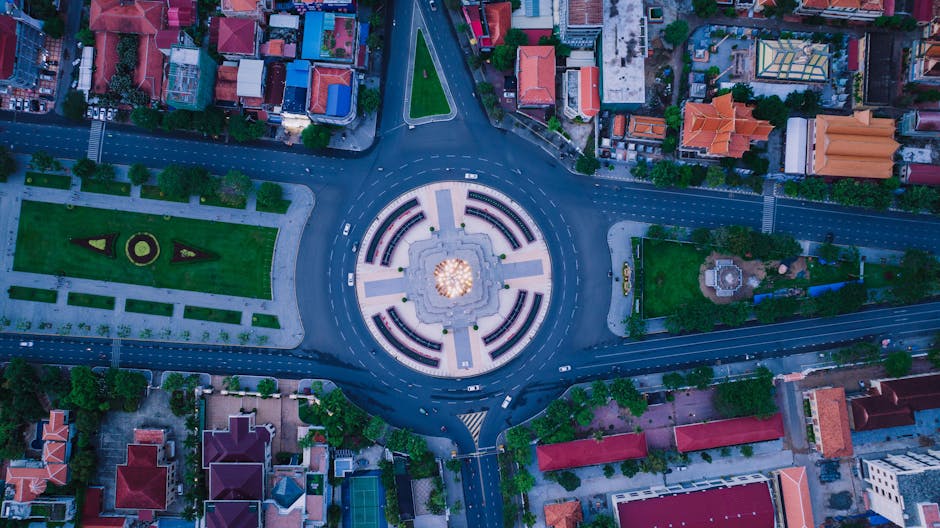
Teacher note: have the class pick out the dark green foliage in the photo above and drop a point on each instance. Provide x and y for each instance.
(695, 316)
(54, 27)
(241, 128)
(316, 137)
(747, 450)
(126, 387)
(146, 118)
(629, 468)
(503, 57)
(74, 106)
(85, 36)
(138, 174)
(599, 393)
(898, 364)
(673, 380)
(704, 8)
(863, 352)
(369, 100)
(234, 188)
(566, 479)
(587, 164)
(515, 37)
(177, 120)
(209, 122)
(376, 428)
(772, 109)
(601, 521)
(343, 421)
(898, 22)
(673, 117)
(625, 393)
(88, 392)
(700, 377)
(849, 298)
(772, 309)
(734, 314)
(636, 326)
(847, 191)
(267, 387)
(561, 49)
(918, 198)
(609, 471)
(84, 168)
(269, 194)
(742, 92)
(750, 244)
(747, 397)
(920, 272)
(556, 424)
(806, 102)
(676, 33)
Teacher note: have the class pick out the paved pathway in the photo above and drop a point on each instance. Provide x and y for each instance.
(621, 250)
(419, 24)
(65, 319)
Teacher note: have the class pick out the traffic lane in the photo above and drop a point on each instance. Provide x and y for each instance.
(30, 137)
(649, 204)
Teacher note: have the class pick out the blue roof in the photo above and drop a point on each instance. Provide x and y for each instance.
(286, 492)
(295, 100)
(338, 98)
(816, 291)
(363, 33)
(313, 35)
(298, 74)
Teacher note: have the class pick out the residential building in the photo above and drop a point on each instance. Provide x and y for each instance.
(623, 54)
(226, 84)
(630, 138)
(329, 37)
(534, 15)
(235, 38)
(861, 10)
(21, 47)
(26, 480)
(180, 13)
(580, 22)
(792, 60)
(590, 452)
(894, 402)
(300, 494)
(922, 123)
(737, 502)
(489, 22)
(111, 20)
(94, 505)
(925, 56)
(254, 9)
(722, 433)
(722, 128)
(921, 174)
(535, 70)
(232, 514)
(329, 6)
(646, 127)
(563, 514)
(829, 417)
(146, 480)
(582, 96)
(191, 79)
(794, 506)
(85, 68)
(274, 89)
(296, 87)
(333, 92)
(238, 459)
(249, 83)
(904, 488)
(243, 441)
(282, 36)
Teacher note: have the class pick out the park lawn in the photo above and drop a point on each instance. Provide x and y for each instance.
(117, 188)
(818, 274)
(148, 307)
(670, 276)
(88, 300)
(243, 268)
(213, 315)
(265, 321)
(881, 275)
(427, 94)
(280, 207)
(152, 192)
(25, 293)
(215, 201)
(53, 181)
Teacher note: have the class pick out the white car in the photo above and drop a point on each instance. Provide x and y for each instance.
(433, 5)
(355, 247)
(473, 388)
(111, 113)
(506, 402)
(564, 368)
(470, 176)
(26, 344)
(350, 279)
(346, 229)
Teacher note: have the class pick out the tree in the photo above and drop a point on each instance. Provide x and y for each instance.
(127, 386)
(625, 393)
(863, 352)
(715, 176)
(242, 129)
(210, 122)
(673, 117)
(806, 102)
(561, 49)
(918, 198)
(316, 137)
(933, 356)
(369, 100)
(84, 168)
(524, 481)
(376, 428)
(920, 272)
(706, 457)
(742, 92)
(171, 183)
(567, 480)
(104, 172)
(670, 142)
(54, 27)
(747, 450)
(587, 164)
(601, 521)
(629, 468)
(813, 188)
(772, 109)
(734, 314)
(146, 118)
(172, 382)
(599, 393)
(177, 120)
(636, 326)
(74, 106)
(55, 382)
(234, 188)
(269, 194)
(83, 466)
(898, 364)
(138, 174)
(198, 181)
(747, 397)
(704, 8)
(267, 387)
(515, 37)
(656, 232)
(676, 33)
(503, 57)
(673, 380)
(774, 308)
(43, 161)
(86, 393)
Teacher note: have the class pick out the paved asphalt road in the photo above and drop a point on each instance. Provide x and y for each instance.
(573, 211)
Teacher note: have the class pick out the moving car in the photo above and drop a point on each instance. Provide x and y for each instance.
(473, 388)
(423, 411)
(564, 368)
(506, 402)
(470, 176)
(346, 229)
(433, 5)
(26, 343)
(350, 279)
(355, 247)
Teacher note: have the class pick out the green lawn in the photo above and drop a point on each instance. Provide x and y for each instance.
(89, 300)
(24, 293)
(116, 188)
(152, 192)
(265, 321)
(427, 94)
(148, 307)
(214, 200)
(212, 314)
(670, 276)
(243, 268)
(818, 274)
(279, 208)
(881, 275)
(54, 181)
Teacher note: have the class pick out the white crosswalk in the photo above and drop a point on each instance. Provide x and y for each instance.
(473, 421)
(95, 136)
(770, 206)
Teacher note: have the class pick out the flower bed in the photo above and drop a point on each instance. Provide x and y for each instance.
(265, 321)
(101, 244)
(213, 315)
(53, 181)
(115, 188)
(186, 253)
(24, 293)
(280, 207)
(88, 300)
(142, 249)
(152, 192)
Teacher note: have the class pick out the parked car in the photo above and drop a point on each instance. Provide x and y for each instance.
(111, 112)
(433, 5)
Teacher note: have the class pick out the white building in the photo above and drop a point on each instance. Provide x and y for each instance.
(905, 488)
(624, 53)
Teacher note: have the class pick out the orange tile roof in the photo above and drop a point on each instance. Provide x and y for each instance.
(797, 506)
(722, 128)
(57, 429)
(536, 74)
(563, 514)
(620, 125)
(498, 20)
(647, 127)
(53, 452)
(585, 12)
(320, 83)
(858, 146)
(590, 97)
(149, 436)
(143, 17)
(240, 6)
(864, 5)
(226, 79)
(833, 416)
(28, 482)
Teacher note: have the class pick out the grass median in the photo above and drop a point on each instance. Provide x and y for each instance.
(427, 93)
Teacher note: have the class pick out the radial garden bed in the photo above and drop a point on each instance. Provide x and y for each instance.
(46, 243)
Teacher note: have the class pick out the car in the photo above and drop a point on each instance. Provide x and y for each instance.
(423, 411)
(45, 91)
(433, 5)
(19, 105)
(350, 279)
(682, 468)
(12, 104)
(28, 344)
(506, 401)
(346, 229)
(564, 368)
(88, 111)
(470, 176)
(355, 247)
(77, 61)
(94, 112)
(473, 388)
(111, 112)
(42, 106)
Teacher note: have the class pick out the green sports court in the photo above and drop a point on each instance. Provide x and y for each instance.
(364, 502)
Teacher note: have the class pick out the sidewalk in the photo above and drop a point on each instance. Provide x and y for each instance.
(621, 250)
(441, 447)
(60, 317)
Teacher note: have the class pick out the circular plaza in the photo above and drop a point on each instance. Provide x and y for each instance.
(453, 279)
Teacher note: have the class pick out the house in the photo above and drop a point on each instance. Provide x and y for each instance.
(281, 36)
(329, 37)
(191, 78)
(829, 416)
(722, 128)
(856, 146)
(792, 486)
(893, 402)
(26, 480)
(232, 514)
(21, 44)
(489, 22)
(333, 92)
(301, 491)
(563, 514)
(921, 174)
(91, 511)
(274, 82)
(590, 452)
(624, 43)
(535, 69)
(722, 433)
(922, 123)
(329, 6)
(534, 15)
(235, 38)
(146, 480)
(180, 13)
(580, 22)
(243, 441)
(792, 60)
(904, 488)
(253, 9)
(861, 10)
(925, 57)
(249, 83)
(582, 95)
(743, 501)
(226, 84)
(112, 20)
(646, 127)
(296, 86)
(238, 460)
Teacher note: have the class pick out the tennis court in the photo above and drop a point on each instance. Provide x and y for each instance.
(364, 493)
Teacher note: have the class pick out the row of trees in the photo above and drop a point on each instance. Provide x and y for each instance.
(699, 377)
(668, 173)
(875, 195)
(748, 397)
(703, 315)
(746, 242)
(180, 182)
(347, 426)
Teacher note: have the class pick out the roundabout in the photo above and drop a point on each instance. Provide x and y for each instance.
(454, 279)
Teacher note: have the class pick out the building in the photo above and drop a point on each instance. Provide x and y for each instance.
(110, 20)
(722, 128)
(856, 146)
(792, 60)
(893, 402)
(489, 22)
(921, 174)
(274, 89)
(226, 84)
(180, 13)
(26, 480)
(295, 101)
(563, 514)
(623, 54)
(645, 127)
(580, 22)
(21, 49)
(300, 494)
(861, 10)
(249, 83)
(829, 417)
(238, 460)
(329, 37)
(920, 123)
(590, 452)
(146, 480)
(582, 95)
(235, 38)
(254, 9)
(736, 502)
(722, 433)
(534, 15)
(330, 6)
(94, 505)
(794, 506)
(535, 70)
(333, 92)
(191, 79)
(905, 488)
(282, 36)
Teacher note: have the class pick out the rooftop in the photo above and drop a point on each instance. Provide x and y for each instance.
(589, 96)
(742, 506)
(250, 78)
(226, 83)
(646, 127)
(233, 514)
(623, 52)
(590, 452)
(236, 481)
(536, 73)
(860, 146)
(793, 60)
(585, 12)
(142, 482)
(324, 98)
(709, 435)
(7, 46)
(797, 506)
(722, 127)
(498, 21)
(833, 417)
(139, 17)
(563, 514)
(864, 5)
(236, 35)
(241, 442)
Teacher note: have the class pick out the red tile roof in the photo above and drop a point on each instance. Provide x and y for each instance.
(236, 481)
(498, 20)
(30, 481)
(148, 76)
(853, 54)
(832, 414)
(56, 429)
(233, 514)
(927, 121)
(237, 35)
(7, 46)
(239, 5)
(563, 514)
(743, 506)
(590, 97)
(274, 83)
(149, 436)
(91, 511)
(620, 125)
(921, 174)
(242, 442)
(585, 12)
(320, 83)
(590, 452)
(647, 127)
(166, 38)
(536, 74)
(864, 5)
(797, 506)
(722, 127)
(897, 402)
(696, 437)
(878, 412)
(226, 87)
(181, 13)
(141, 483)
(141, 17)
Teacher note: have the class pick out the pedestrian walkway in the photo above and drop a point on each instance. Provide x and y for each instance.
(63, 318)
(474, 422)
(95, 138)
(621, 251)
(419, 24)
(769, 214)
